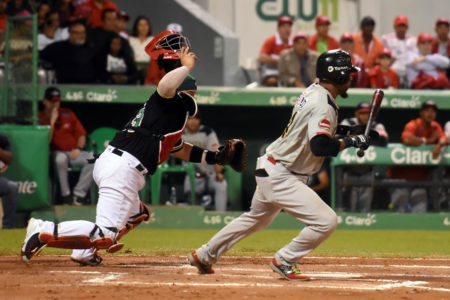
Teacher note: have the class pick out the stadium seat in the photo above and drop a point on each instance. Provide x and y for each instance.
(166, 167)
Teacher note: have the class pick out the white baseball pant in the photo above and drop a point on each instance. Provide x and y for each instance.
(281, 189)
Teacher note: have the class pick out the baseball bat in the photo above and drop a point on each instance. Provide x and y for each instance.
(377, 97)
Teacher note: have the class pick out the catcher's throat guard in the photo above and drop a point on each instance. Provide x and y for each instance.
(168, 43)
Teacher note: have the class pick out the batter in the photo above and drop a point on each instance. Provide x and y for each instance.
(282, 172)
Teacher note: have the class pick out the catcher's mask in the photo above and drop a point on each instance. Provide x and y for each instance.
(168, 43)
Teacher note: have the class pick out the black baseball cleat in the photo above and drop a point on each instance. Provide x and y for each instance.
(32, 245)
(202, 267)
(94, 261)
(288, 272)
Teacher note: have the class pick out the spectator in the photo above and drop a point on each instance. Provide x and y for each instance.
(121, 23)
(297, 65)
(65, 9)
(117, 66)
(441, 43)
(361, 197)
(15, 7)
(98, 8)
(271, 49)
(382, 76)
(51, 32)
(72, 59)
(9, 190)
(368, 46)
(321, 41)
(425, 70)
(141, 35)
(421, 131)
(67, 140)
(209, 179)
(3, 17)
(42, 11)
(320, 182)
(100, 37)
(360, 79)
(402, 46)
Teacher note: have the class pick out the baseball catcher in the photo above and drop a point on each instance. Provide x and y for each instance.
(146, 141)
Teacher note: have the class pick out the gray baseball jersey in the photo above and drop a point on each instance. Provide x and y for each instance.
(314, 113)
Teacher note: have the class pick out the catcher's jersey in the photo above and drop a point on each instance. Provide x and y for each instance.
(314, 113)
(156, 129)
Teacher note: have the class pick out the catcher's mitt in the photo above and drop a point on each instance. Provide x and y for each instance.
(234, 153)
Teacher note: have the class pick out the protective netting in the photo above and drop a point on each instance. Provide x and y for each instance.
(19, 74)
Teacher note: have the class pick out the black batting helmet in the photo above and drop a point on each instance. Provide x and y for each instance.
(335, 66)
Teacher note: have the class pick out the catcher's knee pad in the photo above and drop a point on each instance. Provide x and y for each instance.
(77, 241)
(143, 215)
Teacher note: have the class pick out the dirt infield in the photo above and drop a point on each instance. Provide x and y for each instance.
(171, 277)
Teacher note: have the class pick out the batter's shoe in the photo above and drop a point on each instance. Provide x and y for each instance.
(32, 245)
(94, 261)
(288, 272)
(202, 267)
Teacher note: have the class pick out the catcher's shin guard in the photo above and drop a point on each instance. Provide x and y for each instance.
(77, 241)
(143, 215)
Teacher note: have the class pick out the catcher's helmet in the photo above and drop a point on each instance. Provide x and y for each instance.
(169, 43)
(335, 66)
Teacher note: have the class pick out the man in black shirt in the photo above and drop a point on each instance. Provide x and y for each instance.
(72, 59)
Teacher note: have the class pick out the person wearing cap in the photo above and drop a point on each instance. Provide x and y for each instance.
(425, 70)
(402, 46)
(421, 131)
(297, 65)
(67, 141)
(382, 76)
(321, 41)
(360, 79)
(441, 42)
(73, 59)
(367, 45)
(271, 49)
(361, 197)
(98, 7)
(121, 24)
(209, 179)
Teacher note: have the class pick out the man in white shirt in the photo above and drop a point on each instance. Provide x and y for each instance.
(401, 45)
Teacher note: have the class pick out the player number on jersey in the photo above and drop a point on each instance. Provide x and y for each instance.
(288, 126)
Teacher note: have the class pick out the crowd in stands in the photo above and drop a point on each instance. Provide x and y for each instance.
(397, 60)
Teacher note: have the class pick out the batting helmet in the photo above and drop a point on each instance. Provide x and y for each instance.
(335, 66)
(169, 43)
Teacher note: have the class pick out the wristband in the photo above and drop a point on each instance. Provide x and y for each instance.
(210, 157)
(196, 154)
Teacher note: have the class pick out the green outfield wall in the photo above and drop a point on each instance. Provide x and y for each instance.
(195, 217)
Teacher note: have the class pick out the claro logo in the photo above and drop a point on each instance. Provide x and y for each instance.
(410, 156)
(27, 187)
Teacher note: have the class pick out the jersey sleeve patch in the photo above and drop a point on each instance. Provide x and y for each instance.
(301, 101)
(325, 124)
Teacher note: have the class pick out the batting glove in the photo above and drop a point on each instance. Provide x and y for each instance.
(358, 141)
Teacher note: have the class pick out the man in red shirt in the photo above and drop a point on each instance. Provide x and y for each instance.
(67, 140)
(382, 76)
(271, 49)
(97, 7)
(420, 131)
(321, 41)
